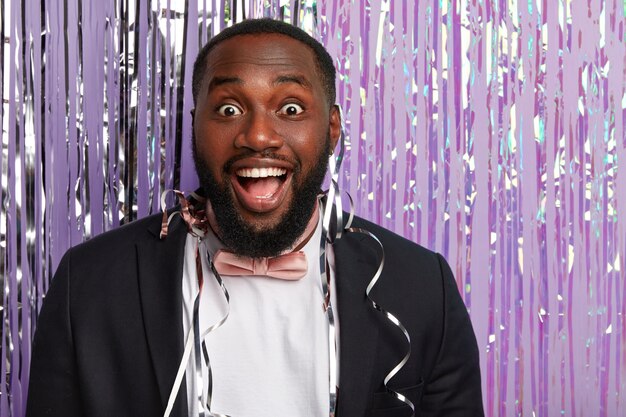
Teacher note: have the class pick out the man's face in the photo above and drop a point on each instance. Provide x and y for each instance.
(262, 132)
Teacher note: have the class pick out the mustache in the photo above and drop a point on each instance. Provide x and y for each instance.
(264, 154)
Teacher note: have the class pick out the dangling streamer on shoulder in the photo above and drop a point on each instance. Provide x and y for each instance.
(193, 214)
(389, 316)
(393, 319)
(334, 230)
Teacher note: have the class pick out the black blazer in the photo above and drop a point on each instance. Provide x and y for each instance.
(109, 337)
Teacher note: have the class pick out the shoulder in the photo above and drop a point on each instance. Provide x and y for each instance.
(109, 264)
(398, 248)
(123, 237)
(410, 273)
(117, 249)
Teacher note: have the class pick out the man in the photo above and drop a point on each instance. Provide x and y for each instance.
(127, 312)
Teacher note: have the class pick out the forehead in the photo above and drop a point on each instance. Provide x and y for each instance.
(261, 52)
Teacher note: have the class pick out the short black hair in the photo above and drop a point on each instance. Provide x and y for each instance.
(262, 26)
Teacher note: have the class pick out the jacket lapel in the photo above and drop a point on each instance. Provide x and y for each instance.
(160, 273)
(355, 264)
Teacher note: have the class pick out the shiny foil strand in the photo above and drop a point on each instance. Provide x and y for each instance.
(4, 335)
(490, 131)
(390, 317)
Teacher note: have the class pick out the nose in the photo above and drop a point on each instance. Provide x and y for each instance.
(259, 133)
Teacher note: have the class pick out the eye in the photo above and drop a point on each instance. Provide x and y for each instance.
(291, 109)
(229, 110)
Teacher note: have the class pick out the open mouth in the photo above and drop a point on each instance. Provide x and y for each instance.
(261, 189)
(261, 182)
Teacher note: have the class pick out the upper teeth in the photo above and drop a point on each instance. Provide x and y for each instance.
(261, 172)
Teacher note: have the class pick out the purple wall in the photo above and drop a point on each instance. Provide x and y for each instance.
(490, 131)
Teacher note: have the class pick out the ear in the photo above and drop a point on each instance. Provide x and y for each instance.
(193, 124)
(334, 125)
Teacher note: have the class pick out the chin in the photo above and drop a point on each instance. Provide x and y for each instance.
(263, 221)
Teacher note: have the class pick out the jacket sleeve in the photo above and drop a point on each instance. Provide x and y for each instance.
(453, 389)
(53, 383)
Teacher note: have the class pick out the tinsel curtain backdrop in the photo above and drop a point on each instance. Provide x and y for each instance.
(490, 131)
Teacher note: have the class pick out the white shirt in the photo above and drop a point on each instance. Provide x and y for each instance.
(271, 356)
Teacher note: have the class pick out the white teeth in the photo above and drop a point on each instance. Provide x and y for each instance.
(261, 172)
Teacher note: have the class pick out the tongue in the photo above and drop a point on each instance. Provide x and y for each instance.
(262, 187)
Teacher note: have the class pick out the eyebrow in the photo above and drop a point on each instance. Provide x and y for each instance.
(296, 79)
(218, 81)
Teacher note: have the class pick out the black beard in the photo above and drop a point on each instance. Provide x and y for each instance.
(243, 239)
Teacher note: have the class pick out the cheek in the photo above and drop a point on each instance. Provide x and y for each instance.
(213, 148)
(310, 151)
(307, 138)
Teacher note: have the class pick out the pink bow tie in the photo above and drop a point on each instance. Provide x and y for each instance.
(290, 266)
